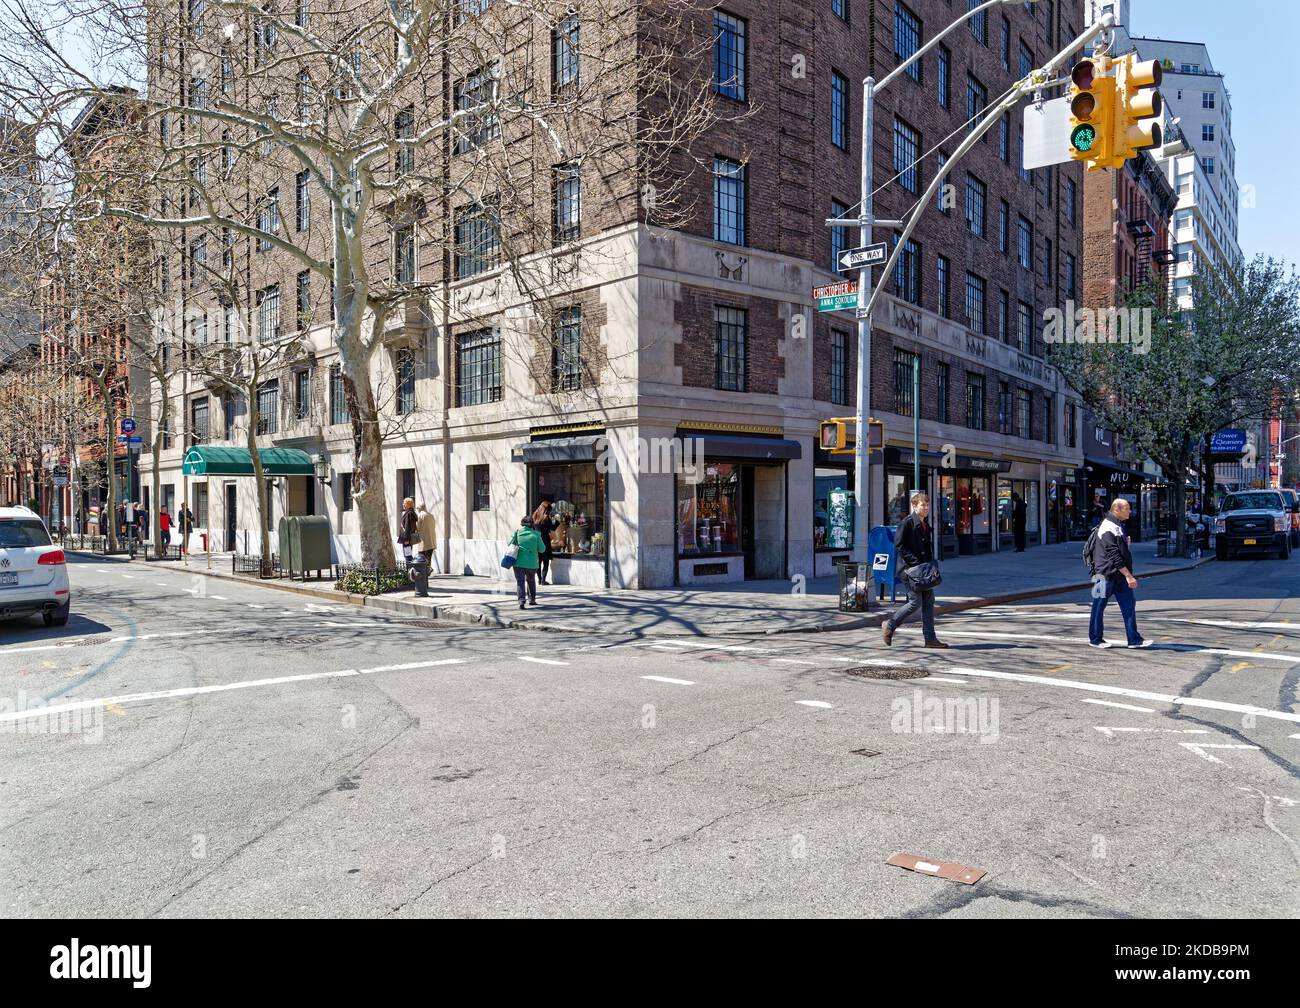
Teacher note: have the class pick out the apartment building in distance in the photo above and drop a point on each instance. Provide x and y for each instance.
(702, 335)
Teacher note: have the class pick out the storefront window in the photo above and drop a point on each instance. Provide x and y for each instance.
(947, 512)
(832, 510)
(708, 511)
(577, 496)
(897, 492)
(972, 505)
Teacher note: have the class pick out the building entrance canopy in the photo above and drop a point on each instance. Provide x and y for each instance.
(220, 460)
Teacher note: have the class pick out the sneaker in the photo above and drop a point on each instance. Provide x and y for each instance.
(1103, 644)
(936, 644)
(1141, 644)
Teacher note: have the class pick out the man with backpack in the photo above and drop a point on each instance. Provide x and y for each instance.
(1110, 562)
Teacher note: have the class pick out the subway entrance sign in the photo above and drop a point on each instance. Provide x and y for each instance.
(836, 296)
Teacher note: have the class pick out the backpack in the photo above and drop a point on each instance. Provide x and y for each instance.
(1089, 551)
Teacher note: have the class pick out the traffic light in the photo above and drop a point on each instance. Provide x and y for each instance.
(835, 435)
(1092, 112)
(1137, 108)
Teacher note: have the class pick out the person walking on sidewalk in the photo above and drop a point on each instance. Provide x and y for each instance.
(185, 525)
(545, 525)
(164, 527)
(913, 543)
(1111, 563)
(406, 525)
(426, 530)
(529, 545)
(1018, 521)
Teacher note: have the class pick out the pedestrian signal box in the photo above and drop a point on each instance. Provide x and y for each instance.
(838, 434)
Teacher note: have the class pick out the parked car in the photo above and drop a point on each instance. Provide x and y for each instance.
(33, 571)
(1292, 498)
(1253, 521)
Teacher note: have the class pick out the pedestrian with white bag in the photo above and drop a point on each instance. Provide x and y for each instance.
(523, 555)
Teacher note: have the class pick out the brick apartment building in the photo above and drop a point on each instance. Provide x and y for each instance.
(707, 331)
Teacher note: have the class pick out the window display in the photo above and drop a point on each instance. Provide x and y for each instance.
(577, 496)
(708, 511)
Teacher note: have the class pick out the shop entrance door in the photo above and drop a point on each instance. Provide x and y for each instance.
(747, 518)
(231, 498)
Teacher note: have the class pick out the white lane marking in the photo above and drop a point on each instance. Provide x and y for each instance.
(1200, 747)
(129, 577)
(1164, 648)
(192, 591)
(1131, 693)
(254, 605)
(815, 703)
(219, 598)
(161, 584)
(1230, 624)
(710, 646)
(793, 661)
(935, 678)
(189, 691)
(1154, 731)
(541, 661)
(675, 682)
(1293, 736)
(1121, 706)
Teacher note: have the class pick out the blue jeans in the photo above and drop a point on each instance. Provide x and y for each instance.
(916, 600)
(1123, 594)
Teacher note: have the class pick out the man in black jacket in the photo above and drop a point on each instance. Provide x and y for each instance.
(913, 544)
(1112, 567)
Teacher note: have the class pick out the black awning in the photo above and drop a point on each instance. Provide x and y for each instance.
(903, 456)
(739, 446)
(574, 449)
(1132, 475)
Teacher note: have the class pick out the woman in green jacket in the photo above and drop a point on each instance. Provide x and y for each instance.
(530, 545)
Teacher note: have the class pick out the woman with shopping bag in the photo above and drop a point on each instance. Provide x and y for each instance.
(523, 556)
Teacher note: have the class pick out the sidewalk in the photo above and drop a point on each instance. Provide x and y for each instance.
(754, 607)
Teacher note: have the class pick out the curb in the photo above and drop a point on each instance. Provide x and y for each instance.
(458, 614)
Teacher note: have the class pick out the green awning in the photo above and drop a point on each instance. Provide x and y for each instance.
(221, 460)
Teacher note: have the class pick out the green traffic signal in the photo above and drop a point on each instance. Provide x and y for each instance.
(1082, 137)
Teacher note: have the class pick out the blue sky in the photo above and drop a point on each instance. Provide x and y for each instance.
(1253, 44)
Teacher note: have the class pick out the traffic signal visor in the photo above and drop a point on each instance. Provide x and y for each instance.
(1092, 97)
(1140, 105)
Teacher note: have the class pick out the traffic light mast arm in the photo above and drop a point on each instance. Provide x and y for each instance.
(938, 37)
(1040, 78)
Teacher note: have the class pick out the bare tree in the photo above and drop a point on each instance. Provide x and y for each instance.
(475, 134)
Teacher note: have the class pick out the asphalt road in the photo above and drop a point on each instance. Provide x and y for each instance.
(220, 749)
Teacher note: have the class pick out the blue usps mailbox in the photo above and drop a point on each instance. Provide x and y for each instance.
(880, 550)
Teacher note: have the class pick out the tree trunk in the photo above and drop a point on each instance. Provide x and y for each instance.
(258, 479)
(109, 508)
(368, 472)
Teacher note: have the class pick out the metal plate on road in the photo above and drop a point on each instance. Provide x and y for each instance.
(867, 255)
(941, 869)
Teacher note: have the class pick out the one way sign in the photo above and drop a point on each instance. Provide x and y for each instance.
(868, 255)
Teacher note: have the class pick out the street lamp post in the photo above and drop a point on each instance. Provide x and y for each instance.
(866, 222)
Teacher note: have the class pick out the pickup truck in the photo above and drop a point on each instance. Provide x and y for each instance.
(1253, 521)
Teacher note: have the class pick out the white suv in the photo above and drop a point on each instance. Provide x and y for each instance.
(33, 571)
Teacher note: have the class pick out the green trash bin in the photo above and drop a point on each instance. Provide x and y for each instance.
(305, 544)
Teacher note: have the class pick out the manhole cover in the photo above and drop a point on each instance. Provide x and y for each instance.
(433, 624)
(887, 672)
(92, 641)
(303, 640)
(864, 752)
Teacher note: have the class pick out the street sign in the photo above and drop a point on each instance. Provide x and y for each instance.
(59, 479)
(1047, 133)
(128, 425)
(867, 255)
(836, 296)
(134, 440)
